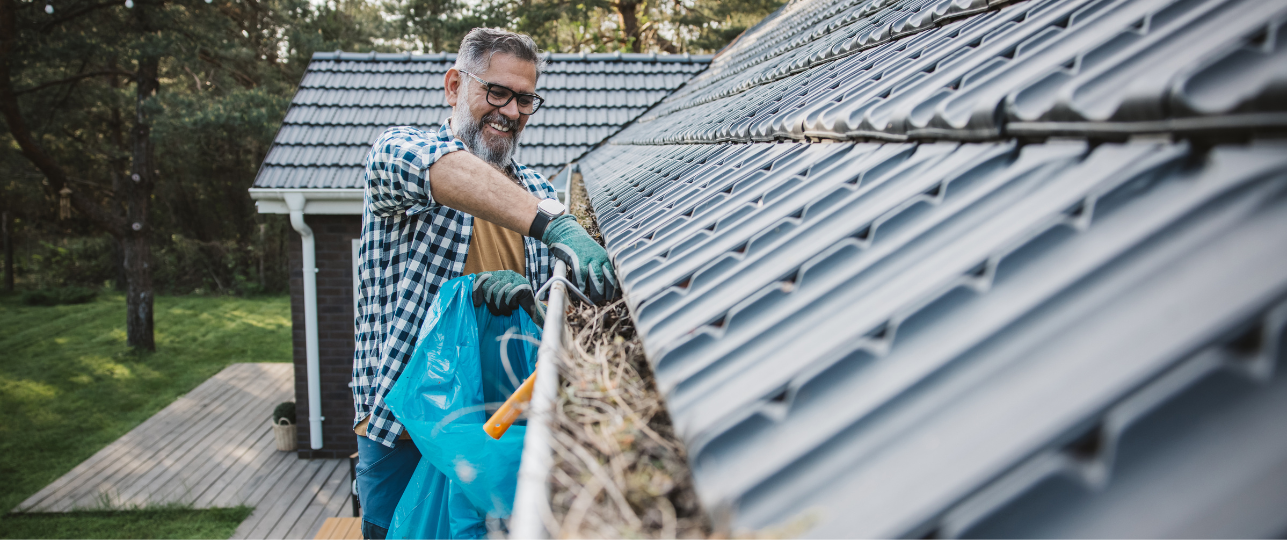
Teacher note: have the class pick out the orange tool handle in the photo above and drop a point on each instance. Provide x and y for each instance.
(508, 413)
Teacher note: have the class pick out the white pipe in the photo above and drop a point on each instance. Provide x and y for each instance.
(295, 202)
(533, 489)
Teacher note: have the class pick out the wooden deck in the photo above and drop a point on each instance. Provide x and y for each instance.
(338, 528)
(212, 448)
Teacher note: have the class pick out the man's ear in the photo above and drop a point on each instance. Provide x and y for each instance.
(451, 82)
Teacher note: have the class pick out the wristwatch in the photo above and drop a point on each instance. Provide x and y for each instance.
(546, 210)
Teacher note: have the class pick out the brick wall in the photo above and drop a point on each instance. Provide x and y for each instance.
(334, 237)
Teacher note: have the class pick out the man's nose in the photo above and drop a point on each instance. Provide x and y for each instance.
(510, 110)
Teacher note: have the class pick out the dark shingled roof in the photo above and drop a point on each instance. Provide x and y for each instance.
(971, 268)
(347, 99)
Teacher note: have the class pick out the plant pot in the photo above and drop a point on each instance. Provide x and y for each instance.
(285, 433)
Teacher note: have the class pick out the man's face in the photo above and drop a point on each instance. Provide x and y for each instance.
(490, 132)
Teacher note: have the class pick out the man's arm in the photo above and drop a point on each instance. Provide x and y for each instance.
(462, 181)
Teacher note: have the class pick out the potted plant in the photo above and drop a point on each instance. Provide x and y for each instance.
(284, 428)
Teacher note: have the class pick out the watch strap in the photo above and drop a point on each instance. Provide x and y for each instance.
(542, 219)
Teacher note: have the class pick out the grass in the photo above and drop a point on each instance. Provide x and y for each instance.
(145, 523)
(69, 386)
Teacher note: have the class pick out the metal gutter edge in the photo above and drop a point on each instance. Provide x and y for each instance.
(531, 497)
(274, 194)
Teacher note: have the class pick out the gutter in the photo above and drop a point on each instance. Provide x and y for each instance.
(329, 201)
(295, 202)
(531, 497)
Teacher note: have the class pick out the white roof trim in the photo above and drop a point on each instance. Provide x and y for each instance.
(316, 201)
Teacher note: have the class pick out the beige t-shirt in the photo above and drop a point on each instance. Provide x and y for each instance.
(493, 248)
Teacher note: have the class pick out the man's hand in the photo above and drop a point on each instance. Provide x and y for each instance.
(591, 270)
(504, 291)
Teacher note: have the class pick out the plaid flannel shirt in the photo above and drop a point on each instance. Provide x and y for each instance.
(410, 246)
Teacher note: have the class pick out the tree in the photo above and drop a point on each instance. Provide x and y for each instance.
(125, 214)
(437, 25)
(186, 95)
(675, 26)
(154, 115)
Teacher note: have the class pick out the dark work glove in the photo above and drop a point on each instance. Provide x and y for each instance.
(505, 290)
(592, 272)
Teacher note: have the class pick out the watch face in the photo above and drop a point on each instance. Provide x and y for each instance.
(552, 207)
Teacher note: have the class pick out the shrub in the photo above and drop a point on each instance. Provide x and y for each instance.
(285, 409)
(54, 297)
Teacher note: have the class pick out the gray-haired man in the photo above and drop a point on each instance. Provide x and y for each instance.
(433, 213)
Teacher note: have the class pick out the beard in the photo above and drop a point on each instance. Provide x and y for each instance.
(470, 131)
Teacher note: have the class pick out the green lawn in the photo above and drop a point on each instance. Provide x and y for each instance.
(69, 386)
(150, 523)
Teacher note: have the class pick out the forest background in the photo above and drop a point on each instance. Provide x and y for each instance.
(133, 128)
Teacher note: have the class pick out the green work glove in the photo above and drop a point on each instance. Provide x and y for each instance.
(592, 272)
(505, 290)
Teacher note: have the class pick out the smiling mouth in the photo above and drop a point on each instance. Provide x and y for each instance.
(498, 127)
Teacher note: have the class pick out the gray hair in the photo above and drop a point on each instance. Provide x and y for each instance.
(480, 44)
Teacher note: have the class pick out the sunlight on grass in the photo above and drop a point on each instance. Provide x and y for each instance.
(26, 390)
(70, 385)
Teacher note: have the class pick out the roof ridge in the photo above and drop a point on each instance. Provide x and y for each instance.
(345, 56)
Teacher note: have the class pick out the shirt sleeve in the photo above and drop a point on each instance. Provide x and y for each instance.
(397, 170)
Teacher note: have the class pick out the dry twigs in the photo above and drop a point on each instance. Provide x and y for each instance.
(620, 472)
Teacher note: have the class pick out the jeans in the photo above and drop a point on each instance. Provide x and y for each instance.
(382, 476)
(371, 531)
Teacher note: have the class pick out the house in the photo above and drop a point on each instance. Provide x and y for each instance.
(313, 172)
(941, 268)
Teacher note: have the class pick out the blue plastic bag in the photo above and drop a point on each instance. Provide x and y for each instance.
(459, 366)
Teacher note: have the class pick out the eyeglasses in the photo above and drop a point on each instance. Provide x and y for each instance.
(499, 96)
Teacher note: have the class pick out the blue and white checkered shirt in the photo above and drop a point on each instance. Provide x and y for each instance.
(410, 246)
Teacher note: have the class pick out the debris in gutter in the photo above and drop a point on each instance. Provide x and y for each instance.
(619, 470)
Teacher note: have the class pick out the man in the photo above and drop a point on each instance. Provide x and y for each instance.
(433, 213)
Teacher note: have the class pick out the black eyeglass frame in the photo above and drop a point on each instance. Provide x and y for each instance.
(537, 100)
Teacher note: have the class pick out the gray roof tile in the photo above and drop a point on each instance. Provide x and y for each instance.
(1032, 60)
(859, 321)
(346, 99)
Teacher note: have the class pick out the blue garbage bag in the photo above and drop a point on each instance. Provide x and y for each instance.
(466, 360)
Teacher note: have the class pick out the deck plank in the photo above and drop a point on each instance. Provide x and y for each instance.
(279, 499)
(327, 527)
(144, 453)
(237, 490)
(205, 452)
(205, 431)
(312, 517)
(126, 458)
(340, 528)
(239, 466)
(343, 507)
(258, 488)
(294, 514)
(222, 449)
(212, 447)
(149, 429)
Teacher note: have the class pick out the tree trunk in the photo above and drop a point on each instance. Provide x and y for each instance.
(8, 252)
(137, 193)
(138, 292)
(627, 13)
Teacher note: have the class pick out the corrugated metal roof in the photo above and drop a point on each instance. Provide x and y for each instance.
(347, 99)
(1036, 284)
